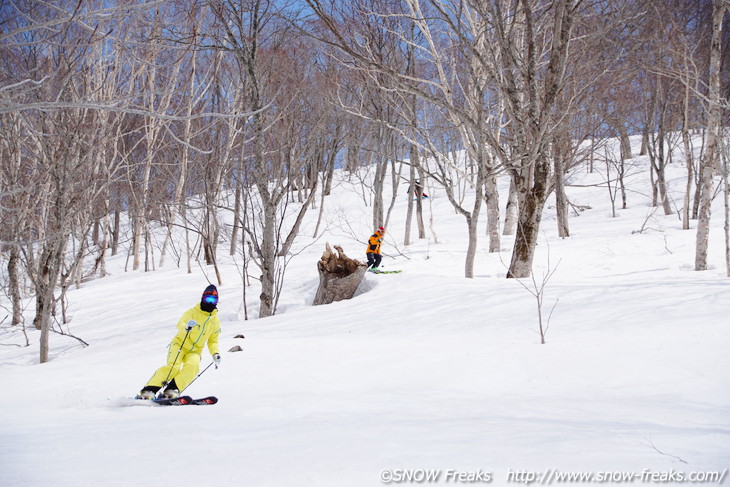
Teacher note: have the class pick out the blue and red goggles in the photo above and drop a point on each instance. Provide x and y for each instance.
(210, 299)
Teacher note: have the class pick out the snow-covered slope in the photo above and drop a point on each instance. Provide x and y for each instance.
(421, 370)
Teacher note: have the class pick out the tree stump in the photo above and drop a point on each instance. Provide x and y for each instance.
(339, 276)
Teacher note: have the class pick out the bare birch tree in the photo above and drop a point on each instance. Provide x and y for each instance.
(710, 164)
(256, 34)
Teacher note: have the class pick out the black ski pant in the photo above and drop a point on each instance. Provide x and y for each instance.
(374, 259)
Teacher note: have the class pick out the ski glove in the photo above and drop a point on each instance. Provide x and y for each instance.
(190, 325)
(217, 358)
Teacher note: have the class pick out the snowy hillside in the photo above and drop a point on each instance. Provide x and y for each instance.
(423, 372)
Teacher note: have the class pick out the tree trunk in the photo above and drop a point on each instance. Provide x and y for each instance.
(688, 156)
(510, 217)
(713, 135)
(703, 221)
(381, 166)
(395, 176)
(624, 141)
(412, 194)
(526, 241)
(491, 195)
(268, 261)
(115, 232)
(415, 191)
(339, 276)
(644, 142)
(663, 191)
(419, 203)
(661, 179)
(471, 250)
(45, 286)
(690, 179)
(561, 200)
(532, 191)
(697, 198)
(236, 218)
(726, 200)
(14, 285)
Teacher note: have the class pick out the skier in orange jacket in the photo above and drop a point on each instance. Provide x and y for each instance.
(373, 250)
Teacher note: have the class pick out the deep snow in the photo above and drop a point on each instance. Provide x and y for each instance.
(421, 370)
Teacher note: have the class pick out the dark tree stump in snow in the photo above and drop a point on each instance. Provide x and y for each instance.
(339, 276)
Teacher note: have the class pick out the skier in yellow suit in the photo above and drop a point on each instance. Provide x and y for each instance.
(198, 326)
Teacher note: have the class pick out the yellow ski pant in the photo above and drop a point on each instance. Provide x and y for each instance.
(183, 370)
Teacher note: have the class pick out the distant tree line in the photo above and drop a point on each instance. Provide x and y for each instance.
(121, 118)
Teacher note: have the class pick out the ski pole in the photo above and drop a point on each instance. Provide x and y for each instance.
(165, 382)
(196, 377)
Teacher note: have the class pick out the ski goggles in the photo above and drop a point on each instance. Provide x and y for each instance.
(210, 299)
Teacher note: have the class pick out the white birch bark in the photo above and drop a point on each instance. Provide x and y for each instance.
(712, 156)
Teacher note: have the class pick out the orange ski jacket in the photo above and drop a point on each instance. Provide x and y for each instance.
(374, 243)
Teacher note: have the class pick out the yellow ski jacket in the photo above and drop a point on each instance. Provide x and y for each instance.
(207, 330)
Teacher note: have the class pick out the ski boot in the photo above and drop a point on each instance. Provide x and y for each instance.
(146, 394)
(171, 394)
